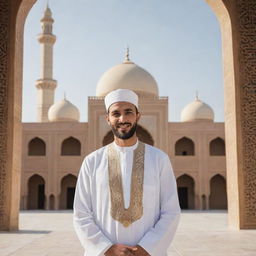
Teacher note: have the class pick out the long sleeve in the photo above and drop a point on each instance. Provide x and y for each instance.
(157, 239)
(90, 235)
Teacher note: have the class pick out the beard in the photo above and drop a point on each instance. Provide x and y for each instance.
(124, 135)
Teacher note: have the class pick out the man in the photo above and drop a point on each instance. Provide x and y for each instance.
(126, 197)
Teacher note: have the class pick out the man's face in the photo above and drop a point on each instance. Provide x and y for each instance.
(122, 118)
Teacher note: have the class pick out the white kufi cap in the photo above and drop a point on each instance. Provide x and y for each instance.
(120, 95)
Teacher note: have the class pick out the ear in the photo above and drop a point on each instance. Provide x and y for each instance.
(107, 118)
(138, 116)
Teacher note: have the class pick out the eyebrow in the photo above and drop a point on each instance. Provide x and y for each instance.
(117, 111)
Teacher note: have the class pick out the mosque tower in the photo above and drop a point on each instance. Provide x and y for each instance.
(46, 84)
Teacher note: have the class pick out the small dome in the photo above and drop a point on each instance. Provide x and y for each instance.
(63, 111)
(197, 111)
(127, 75)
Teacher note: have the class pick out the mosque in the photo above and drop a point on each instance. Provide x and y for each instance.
(54, 147)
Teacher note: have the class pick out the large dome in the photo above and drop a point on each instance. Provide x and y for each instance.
(127, 75)
(197, 111)
(63, 111)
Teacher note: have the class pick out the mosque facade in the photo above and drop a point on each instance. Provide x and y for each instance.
(54, 147)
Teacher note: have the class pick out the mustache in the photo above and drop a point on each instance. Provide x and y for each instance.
(124, 123)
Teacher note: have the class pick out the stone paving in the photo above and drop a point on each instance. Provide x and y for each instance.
(50, 233)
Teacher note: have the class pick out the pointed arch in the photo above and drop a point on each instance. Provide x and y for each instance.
(218, 192)
(36, 147)
(141, 132)
(71, 147)
(186, 191)
(217, 147)
(184, 147)
(36, 192)
(68, 185)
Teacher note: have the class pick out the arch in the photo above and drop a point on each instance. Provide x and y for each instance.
(68, 185)
(218, 193)
(141, 132)
(217, 147)
(184, 147)
(186, 191)
(234, 58)
(36, 192)
(52, 202)
(71, 147)
(36, 147)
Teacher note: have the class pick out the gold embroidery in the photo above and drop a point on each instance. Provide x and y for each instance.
(135, 210)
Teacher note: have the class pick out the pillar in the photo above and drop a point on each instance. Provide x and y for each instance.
(238, 27)
(12, 18)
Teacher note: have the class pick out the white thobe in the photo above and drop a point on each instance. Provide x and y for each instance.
(94, 225)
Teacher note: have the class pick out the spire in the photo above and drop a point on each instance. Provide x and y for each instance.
(127, 55)
(65, 98)
(47, 12)
(197, 98)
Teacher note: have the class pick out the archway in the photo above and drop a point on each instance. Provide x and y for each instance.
(71, 147)
(141, 132)
(36, 147)
(218, 193)
(184, 147)
(68, 185)
(186, 191)
(36, 192)
(217, 147)
(237, 25)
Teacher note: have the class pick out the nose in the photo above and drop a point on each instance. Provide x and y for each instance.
(121, 118)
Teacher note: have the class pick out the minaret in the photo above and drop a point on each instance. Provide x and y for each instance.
(46, 84)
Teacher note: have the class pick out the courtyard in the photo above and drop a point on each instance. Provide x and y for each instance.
(200, 233)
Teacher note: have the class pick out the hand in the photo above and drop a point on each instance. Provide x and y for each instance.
(120, 250)
(141, 251)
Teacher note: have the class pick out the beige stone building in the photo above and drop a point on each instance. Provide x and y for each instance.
(54, 147)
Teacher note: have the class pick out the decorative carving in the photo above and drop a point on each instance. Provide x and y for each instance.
(4, 22)
(46, 84)
(247, 58)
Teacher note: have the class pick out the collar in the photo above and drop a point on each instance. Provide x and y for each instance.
(126, 149)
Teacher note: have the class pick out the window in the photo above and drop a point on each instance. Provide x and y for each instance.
(184, 147)
(71, 147)
(217, 147)
(36, 147)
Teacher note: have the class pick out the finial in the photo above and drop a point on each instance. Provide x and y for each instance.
(47, 11)
(197, 98)
(127, 55)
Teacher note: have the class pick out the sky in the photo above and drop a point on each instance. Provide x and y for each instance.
(177, 41)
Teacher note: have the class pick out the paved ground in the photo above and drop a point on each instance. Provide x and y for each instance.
(199, 234)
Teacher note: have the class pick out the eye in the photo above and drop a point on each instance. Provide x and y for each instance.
(115, 114)
(128, 112)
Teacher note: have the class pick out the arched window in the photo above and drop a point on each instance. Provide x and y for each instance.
(218, 195)
(36, 194)
(184, 147)
(141, 132)
(68, 186)
(36, 147)
(217, 147)
(71, 147)
(186, 188)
